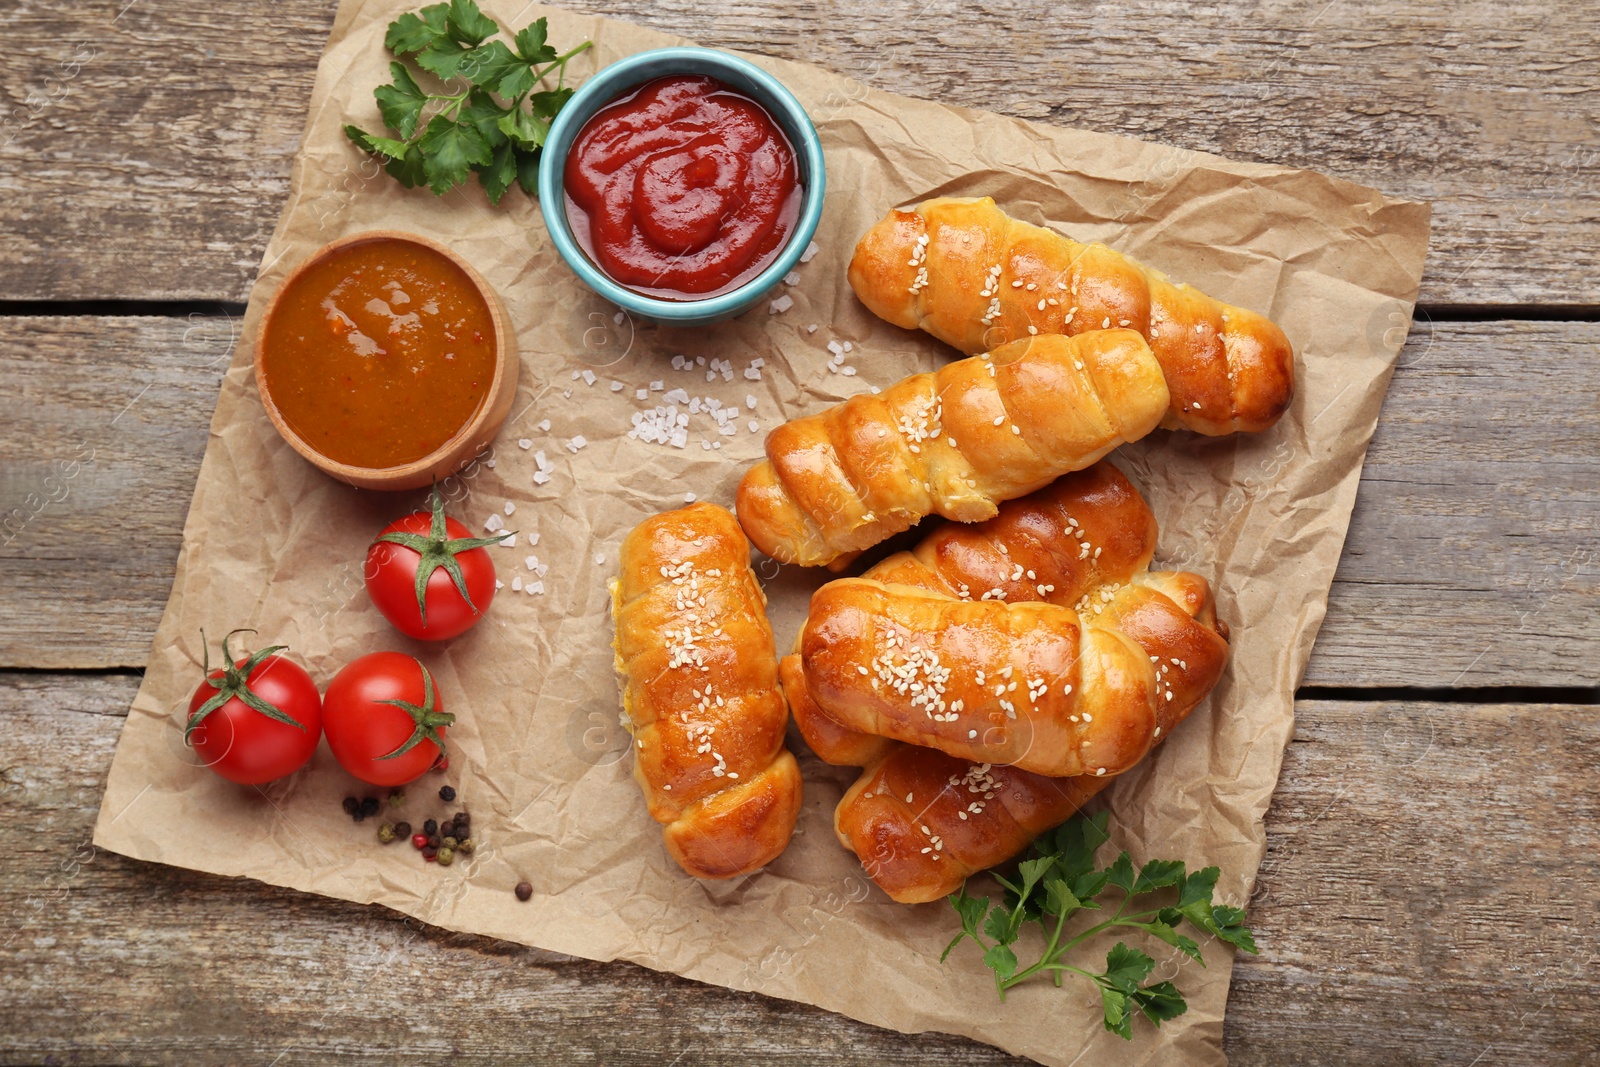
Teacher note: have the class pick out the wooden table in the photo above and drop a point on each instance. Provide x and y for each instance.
(1431, 887)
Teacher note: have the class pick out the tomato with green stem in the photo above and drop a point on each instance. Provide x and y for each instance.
(257, 718)
(428, 576)
(384, 720)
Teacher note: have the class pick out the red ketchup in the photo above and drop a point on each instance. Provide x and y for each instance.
(682, 189)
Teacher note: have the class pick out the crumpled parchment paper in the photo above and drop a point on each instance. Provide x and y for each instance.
(539, 755)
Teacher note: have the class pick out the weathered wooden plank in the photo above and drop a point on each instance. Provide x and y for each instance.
(104, 423)
(1427, 898)
(1480, 500)
(128, 174)
(1473, 557)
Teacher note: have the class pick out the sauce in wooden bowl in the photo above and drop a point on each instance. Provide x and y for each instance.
(378, 353)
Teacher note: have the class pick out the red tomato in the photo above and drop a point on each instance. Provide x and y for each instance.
(383, 719)
(428, 576)
(256, 720)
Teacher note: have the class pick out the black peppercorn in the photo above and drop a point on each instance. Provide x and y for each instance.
(524, 891)
(359, 816)
(351, 805)
(370, 806)
(463, 818)
(430, 853)
(433, 840)
(430, 827)
(447, 793)
(402, 829)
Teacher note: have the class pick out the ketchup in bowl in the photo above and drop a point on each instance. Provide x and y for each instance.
(682, 188)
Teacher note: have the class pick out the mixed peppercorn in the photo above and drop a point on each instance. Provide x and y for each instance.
(439, 842)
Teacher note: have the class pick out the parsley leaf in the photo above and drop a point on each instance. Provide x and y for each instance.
(531, 44)
(469, 25)
(449, 150)
(400, 104)
(491, 118)
(412, 33)
(1060, 878)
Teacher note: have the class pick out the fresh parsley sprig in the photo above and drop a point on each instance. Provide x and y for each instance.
(1059, 879)
(494, 126)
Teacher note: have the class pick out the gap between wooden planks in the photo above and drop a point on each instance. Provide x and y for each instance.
(1428, 897)
(160, 136)
(1479, 501)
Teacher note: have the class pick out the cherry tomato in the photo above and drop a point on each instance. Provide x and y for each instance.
(256, 719)
(383, 718)
(428, 576)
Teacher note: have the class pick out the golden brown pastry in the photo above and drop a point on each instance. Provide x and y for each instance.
(701, 693)
(975, 278)
(922, 821)
(1028, 685)
(955, 443)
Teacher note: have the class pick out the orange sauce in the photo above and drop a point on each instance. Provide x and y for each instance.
(379, 354)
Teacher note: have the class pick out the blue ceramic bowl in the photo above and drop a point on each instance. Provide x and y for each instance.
(618, 79)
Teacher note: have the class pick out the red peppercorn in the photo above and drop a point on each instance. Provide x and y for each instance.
(419, 840)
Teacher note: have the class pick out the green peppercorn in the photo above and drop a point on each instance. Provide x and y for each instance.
(448, 842)
(397, 798)
(465, 846)
(386, 833)
(446, 856)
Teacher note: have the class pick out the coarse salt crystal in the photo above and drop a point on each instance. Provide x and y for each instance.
(792, 278)
(494, 523)
(599, 558)
(516, 585)
(535, 588)
(755, 427)
(780, 305)
(750, 401)
(524, 443)
(510, 542)
(688, 498)
(544, 424)
(511, 509)
(811, 250)
(812, 328)
(616, 387)
(530, 562)
(752, 374)
(588, 377)
(540, 477)
(641, 394)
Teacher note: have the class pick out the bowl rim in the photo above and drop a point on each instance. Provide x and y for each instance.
(617, 78)
(504, 357)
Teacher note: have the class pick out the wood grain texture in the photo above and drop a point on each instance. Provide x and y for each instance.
(1469, 899)
(145, 148)
(1479, 501)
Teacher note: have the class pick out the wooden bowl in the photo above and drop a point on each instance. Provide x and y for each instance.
(467, 442)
